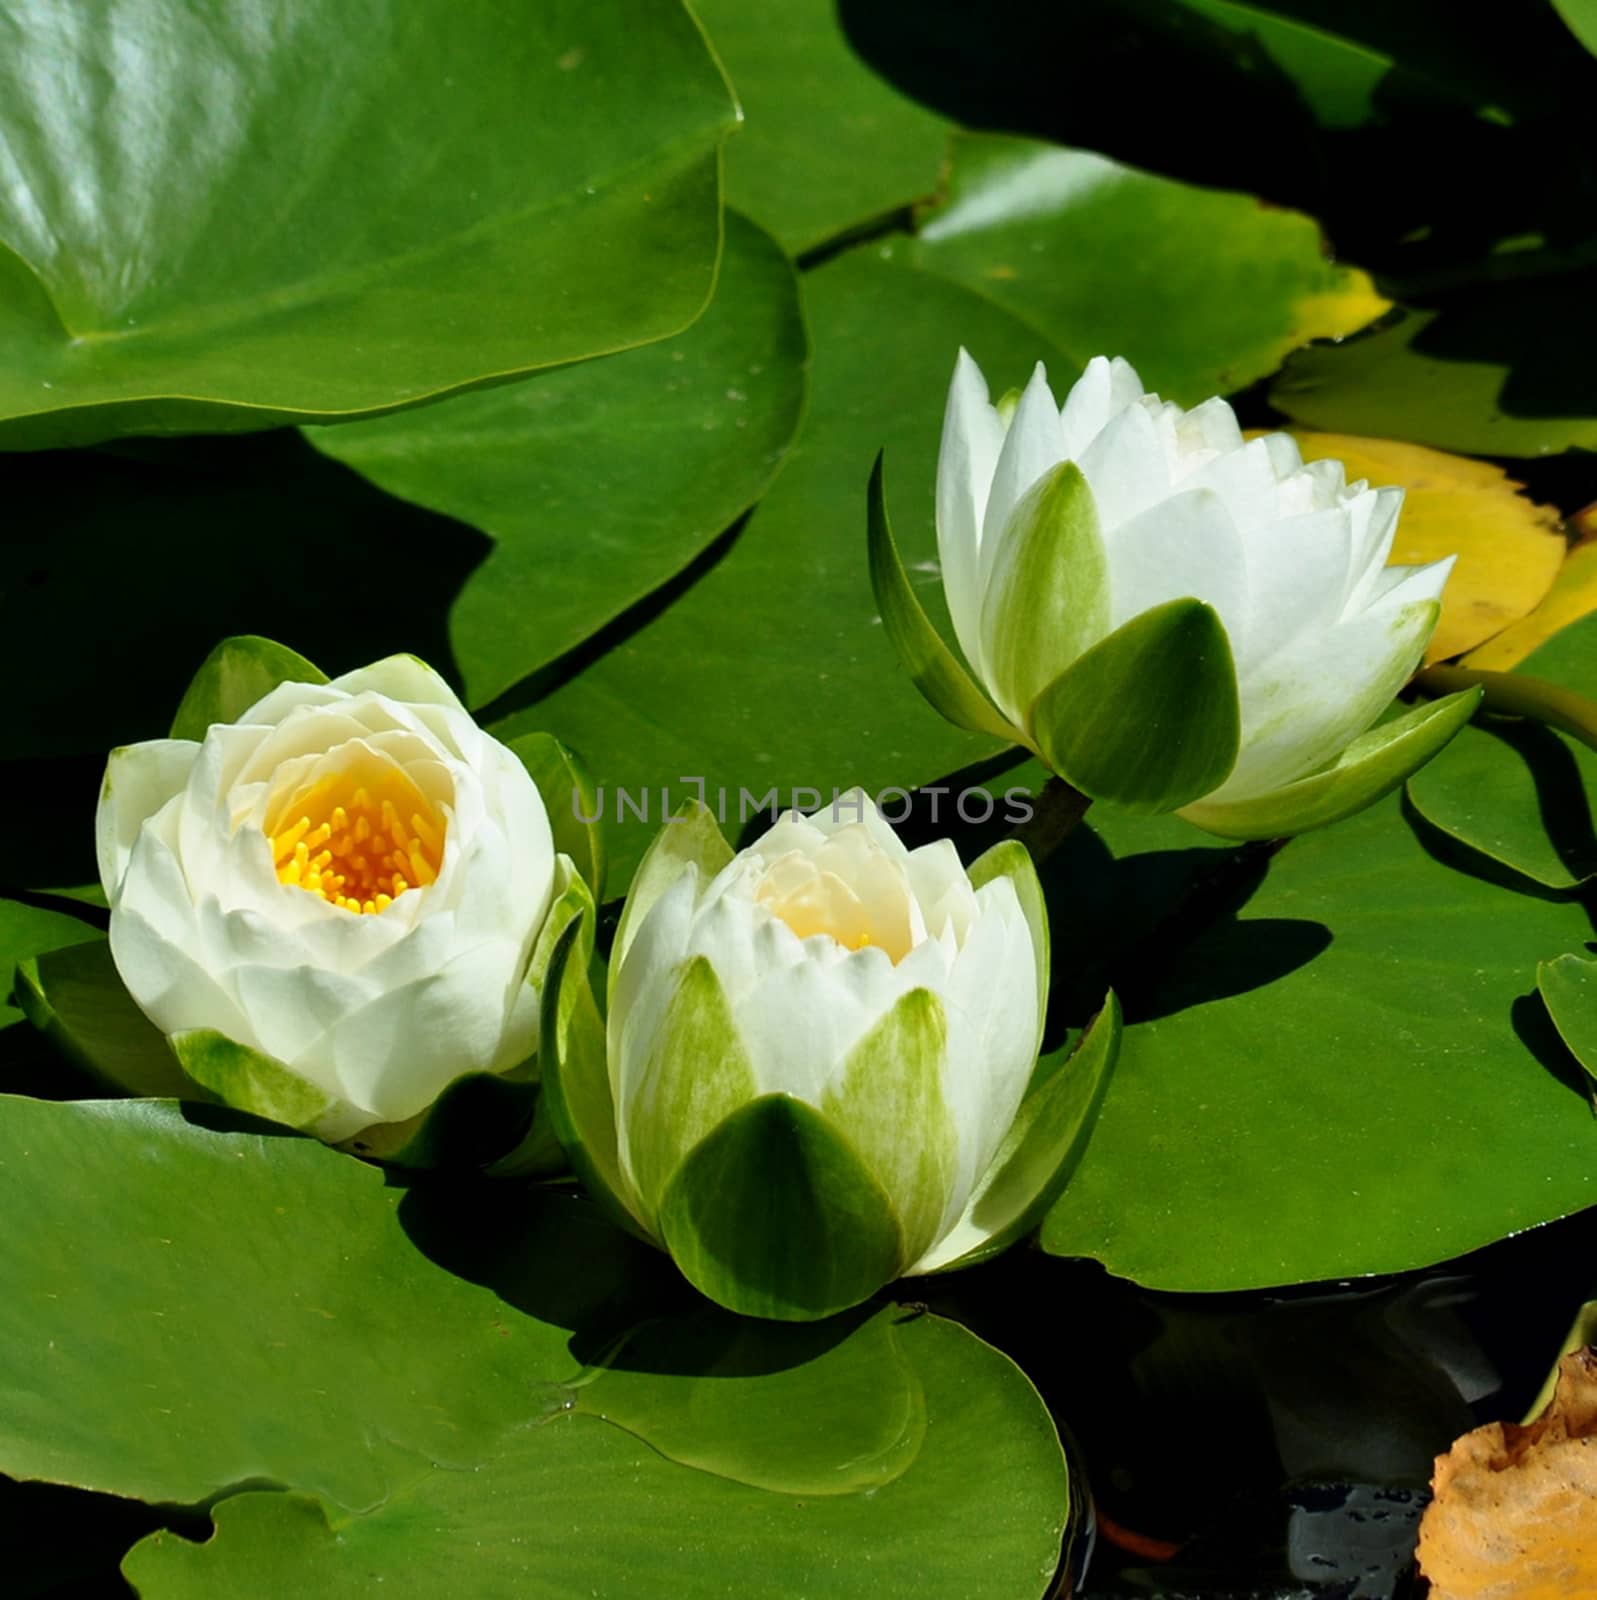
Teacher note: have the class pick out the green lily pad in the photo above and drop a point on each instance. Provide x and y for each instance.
(1201, 290)
(773, 671)
(599, 482)
(1569, 989)
(826, 144)
(1581, 15)
(576, 1507)
(1320, 1087)
(1517, 791)
(305, 1327)
(1489, 374)
(211, 223)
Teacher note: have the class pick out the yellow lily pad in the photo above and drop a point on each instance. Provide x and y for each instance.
(1511, 1519)
(1572, 596)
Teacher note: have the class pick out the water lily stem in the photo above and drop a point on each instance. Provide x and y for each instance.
(1058, 809)
(1514, 695)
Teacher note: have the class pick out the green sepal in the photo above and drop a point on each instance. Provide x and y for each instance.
(1369, 769)
(775, 1215)
(76, 998)
(933, 668)
(249, 1081)
(1041, 1149)
(476, 1120)
(887, 1101)
(1009, 858)
(697, 1074)
(575, 1076)
(690, 838)
(572, 903)
(237, 673)
(571, 799)
(1148, 718)
(1568, 988)
(1046, 601)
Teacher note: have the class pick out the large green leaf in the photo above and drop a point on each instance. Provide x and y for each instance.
(826, 144)
(1346, 1079)
(601, 481)
(1581, 15)
(1518, 791)
(228, 218)
(305, 1326)
(1490, 373)
(1201, 290)
(578, 1508)
(773, 670)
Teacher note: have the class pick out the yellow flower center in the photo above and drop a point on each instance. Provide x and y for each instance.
(811, 898)
(359, 845)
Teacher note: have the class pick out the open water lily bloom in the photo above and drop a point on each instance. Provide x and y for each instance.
(1173, 616)
(818, 1054)
(347, 883)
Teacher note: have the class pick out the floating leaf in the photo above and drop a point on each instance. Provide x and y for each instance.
(406, 1367)
(1318, 1087)
(1202, 291)
(1572, 596)
(773, 671)
(826, 144)
(211, 223)
(599, 482)
(1517, 791)
(1490, 374)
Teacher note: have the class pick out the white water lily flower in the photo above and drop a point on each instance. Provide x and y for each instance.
(1171, 615)
(347, 882)
(818, 1052)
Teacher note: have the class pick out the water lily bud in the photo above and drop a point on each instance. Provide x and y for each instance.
(330, 905)
(817, 1061)
(1172, 617)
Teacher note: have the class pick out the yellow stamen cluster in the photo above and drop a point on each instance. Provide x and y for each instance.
(359, 845)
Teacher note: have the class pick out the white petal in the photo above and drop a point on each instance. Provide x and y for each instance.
(1372, 515)
(172, 990)
(973, 436)
(403, 678)
(1297, 567)
(397, 1054)
(1321, 692)
(1186, 545)
(800, 1023)
(1105, 388)
(991, 1004)
(290, 1008)
(139, 780)
(1127, 469)
(1034, 444)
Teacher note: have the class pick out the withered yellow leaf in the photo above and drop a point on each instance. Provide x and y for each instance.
(1509, 548)
(1515, 1509)
(1572, 596)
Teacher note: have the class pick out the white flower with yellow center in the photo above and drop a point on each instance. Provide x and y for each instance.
(1172, 616)
(818, 1056)
(346, 884)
